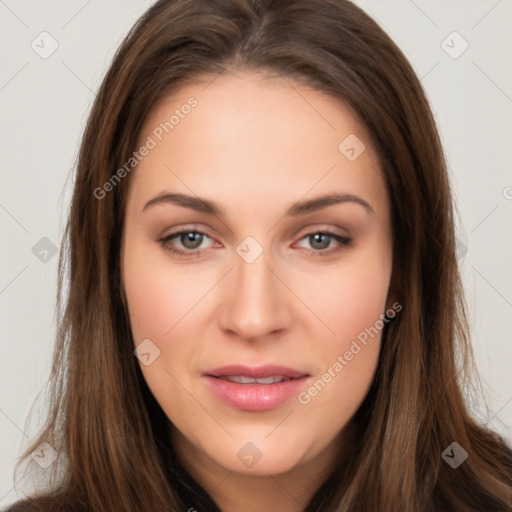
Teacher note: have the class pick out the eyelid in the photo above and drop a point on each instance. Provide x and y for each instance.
(342, 240)
(188, 228)
(318, 228)
(323, 228)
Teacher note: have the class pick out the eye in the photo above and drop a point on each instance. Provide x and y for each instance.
(191, 241)
(321, 240)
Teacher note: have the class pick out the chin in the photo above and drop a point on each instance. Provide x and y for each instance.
(255, 455)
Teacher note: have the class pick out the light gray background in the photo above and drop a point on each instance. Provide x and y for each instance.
(44, 105)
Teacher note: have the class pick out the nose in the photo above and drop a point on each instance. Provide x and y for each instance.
(255, 301)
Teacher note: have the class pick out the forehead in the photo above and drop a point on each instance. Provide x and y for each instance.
(251, 138)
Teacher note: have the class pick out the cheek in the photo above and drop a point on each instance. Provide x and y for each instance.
(160, 296)
(349, 363)
(166, 307)
(352, 303)
(353, 298)
(161, 304)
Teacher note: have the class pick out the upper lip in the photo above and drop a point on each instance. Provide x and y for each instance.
(256, 372)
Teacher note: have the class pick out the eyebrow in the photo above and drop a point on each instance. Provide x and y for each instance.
(299, 208)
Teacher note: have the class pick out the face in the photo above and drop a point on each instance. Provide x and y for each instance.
(234, 269)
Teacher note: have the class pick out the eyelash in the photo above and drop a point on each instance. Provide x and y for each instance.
(166, 243)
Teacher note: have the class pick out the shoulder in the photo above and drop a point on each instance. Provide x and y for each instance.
(42, 504)
(21, 506)
(29, 505)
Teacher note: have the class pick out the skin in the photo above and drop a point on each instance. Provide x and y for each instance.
(255, 145)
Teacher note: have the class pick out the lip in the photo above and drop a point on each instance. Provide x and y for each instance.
(256, 372)
(255, 397)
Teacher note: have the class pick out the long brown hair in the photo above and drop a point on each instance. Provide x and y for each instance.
(110, 434)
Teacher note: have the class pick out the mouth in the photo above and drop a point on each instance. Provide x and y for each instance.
(256, 372)
(242, 379)
(255, 388)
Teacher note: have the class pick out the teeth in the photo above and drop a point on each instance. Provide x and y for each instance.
(242, 379)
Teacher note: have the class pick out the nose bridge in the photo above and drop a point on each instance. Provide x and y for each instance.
(254, 304)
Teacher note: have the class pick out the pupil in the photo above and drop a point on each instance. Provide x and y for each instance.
(316, 238)
(192, 237)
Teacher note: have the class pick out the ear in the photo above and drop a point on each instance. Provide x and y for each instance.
(122, 293)
(123, 297)
(393, 297)
(122, 290)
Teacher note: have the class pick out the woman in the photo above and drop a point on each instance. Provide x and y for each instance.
(299, 351)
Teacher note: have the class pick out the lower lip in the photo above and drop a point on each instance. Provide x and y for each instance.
(255, 397)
